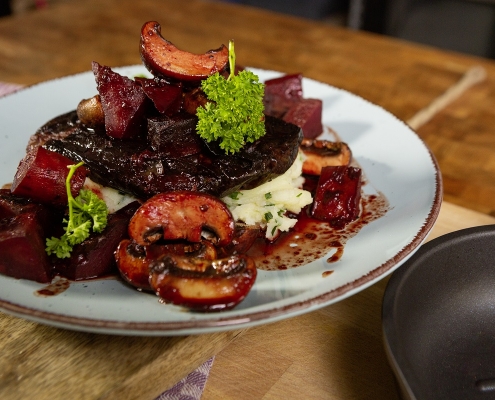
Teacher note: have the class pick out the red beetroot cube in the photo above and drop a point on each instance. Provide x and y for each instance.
(166, 97)
(22, 248)
(123, 101)
(11, 205)
(174, 136)
(281, 93)
(338, 195)
(41, 176)
(306, 114)
(94, 257)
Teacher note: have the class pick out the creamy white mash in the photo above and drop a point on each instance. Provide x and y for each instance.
(267, 204)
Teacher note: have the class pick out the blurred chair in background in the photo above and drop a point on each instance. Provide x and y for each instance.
(313, 9)
(466, 26)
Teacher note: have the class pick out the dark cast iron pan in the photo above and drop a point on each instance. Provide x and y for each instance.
(438, 318)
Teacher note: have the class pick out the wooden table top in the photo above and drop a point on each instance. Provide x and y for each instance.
(337, 351)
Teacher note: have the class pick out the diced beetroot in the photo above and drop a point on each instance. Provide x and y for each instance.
(12, 205)
(22, 248)
(310, 183)
(193, 99)
(95, 256)
(338, 195)
(306, 114)
(124, 103)
(41, 176)
(174, 136)
(281, 93)
(166, 97)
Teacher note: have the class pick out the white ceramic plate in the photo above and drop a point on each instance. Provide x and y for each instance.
(394, 159)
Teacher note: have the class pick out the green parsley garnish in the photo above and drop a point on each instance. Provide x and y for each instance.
(235, 195)
(234, 116)
(268, 216)
(274, 229)
(86, 212)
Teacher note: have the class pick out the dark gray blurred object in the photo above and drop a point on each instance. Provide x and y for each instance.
(313, 9)
(466, 26)
(438, 318)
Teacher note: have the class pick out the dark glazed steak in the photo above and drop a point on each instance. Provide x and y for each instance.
(137, 168)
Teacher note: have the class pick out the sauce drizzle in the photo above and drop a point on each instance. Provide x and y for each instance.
(58, 285)
(311, 239)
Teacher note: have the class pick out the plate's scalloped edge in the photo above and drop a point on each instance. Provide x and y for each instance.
(244, 320)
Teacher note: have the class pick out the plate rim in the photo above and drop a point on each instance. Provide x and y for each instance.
(220, 323)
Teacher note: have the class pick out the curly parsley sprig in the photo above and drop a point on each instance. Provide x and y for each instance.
(86, 212)
(235, 114)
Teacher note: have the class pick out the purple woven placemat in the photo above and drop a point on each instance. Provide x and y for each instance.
(192, 386)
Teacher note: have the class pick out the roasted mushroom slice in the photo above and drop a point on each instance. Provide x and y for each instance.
(162, 58)
(133, 260)
(181, 215)
(133, 264)
(203, 285)
(324, 153)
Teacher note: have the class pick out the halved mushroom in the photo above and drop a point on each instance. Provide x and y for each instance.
(203, 285)
(324, 153)
(181, 215)
(90, 112)
(133, 264)
(133, 260)
(162, 58)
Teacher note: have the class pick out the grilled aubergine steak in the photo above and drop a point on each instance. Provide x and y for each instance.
(172, 156)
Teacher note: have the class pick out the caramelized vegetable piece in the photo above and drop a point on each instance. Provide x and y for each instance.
(123, 101)
(174, 136)
(203, 285)
(23, 226)
(306, 114)
(338, 195)
(324, 153)
(181, 215)
(94, 257)
(41, 176)
(90, 112)
(12, 205)
(162, 58)
(193, 99)
(166, 97)
(22, 249)
(282, 93)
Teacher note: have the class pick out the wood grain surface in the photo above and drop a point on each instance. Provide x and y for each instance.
(333, 353)
(41, 362)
